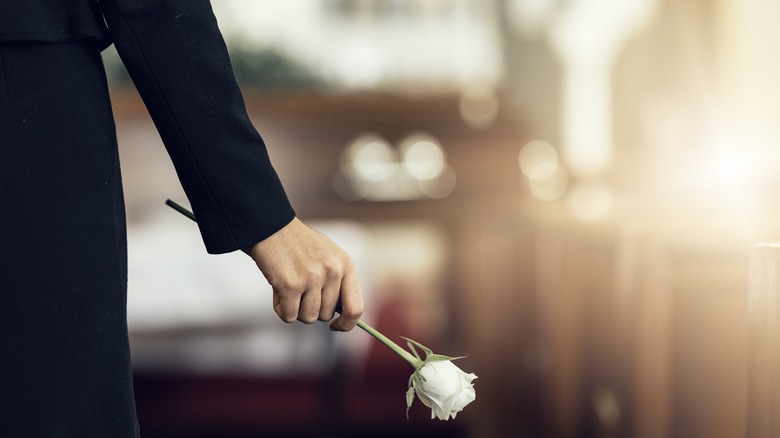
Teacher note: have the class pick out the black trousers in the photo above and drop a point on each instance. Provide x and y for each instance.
(64, 355)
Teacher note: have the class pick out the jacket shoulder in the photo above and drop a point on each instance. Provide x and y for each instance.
(51, 21)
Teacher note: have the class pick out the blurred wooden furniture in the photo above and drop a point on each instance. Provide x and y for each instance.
(763, 418)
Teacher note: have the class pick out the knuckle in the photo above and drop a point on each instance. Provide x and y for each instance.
(308, 319)
(349, 264)
(341, 327)
(291, 287)
(288, 318)
(334, 268)
(332, 273)
(354, 313)
(314, 276)
(336, 263)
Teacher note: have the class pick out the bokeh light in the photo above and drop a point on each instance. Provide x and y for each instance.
(440, 187)
(370, 157)
(479, 106)
(423, 156)
(551, 187)
(538, 160)
(372, 169)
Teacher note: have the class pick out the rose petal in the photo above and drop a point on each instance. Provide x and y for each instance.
(444, 388)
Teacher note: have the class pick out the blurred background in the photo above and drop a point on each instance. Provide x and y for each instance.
(567, 191)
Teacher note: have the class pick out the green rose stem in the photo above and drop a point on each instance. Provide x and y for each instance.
(413, 361)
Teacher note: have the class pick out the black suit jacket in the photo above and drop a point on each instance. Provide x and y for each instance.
(178, 60)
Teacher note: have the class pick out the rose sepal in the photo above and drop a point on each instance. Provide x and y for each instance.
(430, 356)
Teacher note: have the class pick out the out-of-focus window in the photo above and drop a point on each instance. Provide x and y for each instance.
(350, 45)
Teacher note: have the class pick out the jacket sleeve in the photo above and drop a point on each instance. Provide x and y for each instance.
(178, 61)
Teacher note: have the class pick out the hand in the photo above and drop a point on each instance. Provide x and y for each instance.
(310, 275)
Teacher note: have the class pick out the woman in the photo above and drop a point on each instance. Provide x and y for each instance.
(64, 358)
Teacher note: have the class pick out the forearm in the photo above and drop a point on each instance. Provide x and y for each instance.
(180, 65)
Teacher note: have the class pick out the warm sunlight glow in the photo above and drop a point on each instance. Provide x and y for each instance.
(587, 38)
(729, 172)
(590, 202)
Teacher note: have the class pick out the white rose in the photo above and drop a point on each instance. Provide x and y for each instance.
(444, 388)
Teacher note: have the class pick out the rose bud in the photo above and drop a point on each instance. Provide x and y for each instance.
(444, 388)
